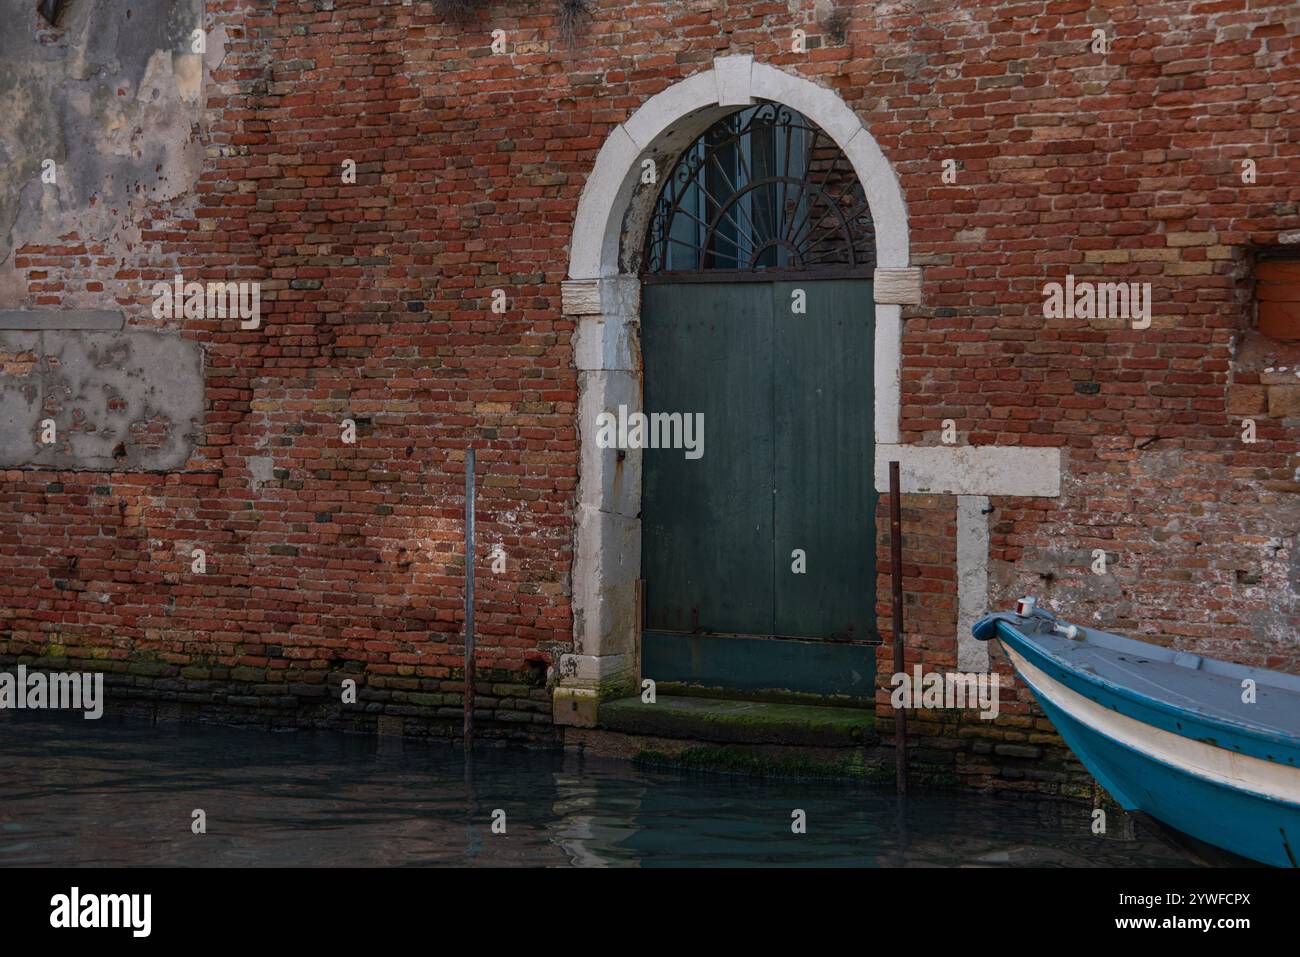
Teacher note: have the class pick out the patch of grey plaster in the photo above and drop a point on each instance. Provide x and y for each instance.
(119, 402)
(262, 469)
(1159, 528)
(116, 102)
(99, 320)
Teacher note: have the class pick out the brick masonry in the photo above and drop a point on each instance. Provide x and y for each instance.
(327, 560)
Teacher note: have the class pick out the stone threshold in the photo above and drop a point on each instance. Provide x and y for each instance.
(757, 739)
(731, 721)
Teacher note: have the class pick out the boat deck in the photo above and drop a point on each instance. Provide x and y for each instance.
(1203, 686)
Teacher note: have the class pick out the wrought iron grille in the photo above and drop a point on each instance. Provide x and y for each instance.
(763, 192)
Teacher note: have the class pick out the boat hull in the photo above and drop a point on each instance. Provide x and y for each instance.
(1243, 804)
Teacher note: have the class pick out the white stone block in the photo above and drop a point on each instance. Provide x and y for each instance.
(972, 580)
(886, 362)
(605, 481)
(733, 76)
(897, 284)
(971, 469)
(605, 573)
(592, 670)
(599, 217)
(604, 345)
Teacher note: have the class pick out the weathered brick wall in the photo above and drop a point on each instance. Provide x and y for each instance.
(327, 559)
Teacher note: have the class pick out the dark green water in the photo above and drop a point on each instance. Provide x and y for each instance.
(76, 792)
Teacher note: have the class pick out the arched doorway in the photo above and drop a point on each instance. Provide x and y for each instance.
(603, 298)
(758, 542)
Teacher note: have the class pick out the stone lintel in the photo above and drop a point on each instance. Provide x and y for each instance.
(971, 469)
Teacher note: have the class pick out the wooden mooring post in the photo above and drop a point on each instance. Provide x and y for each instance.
(469, 596)
(896, 581)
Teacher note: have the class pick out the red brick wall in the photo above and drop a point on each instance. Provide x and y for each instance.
(332, 559)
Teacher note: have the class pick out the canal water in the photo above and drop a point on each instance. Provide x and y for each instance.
(123, 792)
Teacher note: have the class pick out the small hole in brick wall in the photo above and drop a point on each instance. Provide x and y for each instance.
(536, 672)
(837, 26)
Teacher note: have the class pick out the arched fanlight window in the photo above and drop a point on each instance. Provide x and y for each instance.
(763, 192)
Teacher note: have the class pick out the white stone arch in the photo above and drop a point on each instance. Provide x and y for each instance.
(670, 121)
(602, 294)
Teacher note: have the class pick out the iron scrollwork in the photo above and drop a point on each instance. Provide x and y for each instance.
(764, 189)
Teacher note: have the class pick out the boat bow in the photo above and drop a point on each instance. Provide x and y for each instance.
(1207, 747)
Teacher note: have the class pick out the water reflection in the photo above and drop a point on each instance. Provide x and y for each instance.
(111, 792)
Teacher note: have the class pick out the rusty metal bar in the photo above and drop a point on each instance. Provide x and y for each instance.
(469, 596)
(896, 581)
(640, 629)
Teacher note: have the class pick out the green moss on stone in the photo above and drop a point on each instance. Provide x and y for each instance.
(749, 722)
(852, 766)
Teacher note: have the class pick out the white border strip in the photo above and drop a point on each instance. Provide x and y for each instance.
(1241, 772)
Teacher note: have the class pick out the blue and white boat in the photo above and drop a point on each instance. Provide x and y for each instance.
(1206, 748)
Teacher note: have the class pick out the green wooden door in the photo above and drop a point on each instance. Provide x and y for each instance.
(759, 556)
(706, 524)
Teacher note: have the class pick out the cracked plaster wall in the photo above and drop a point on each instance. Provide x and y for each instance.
(113, 94)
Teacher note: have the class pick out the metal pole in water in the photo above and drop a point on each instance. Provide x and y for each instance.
(469, 596)
(896, 580)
